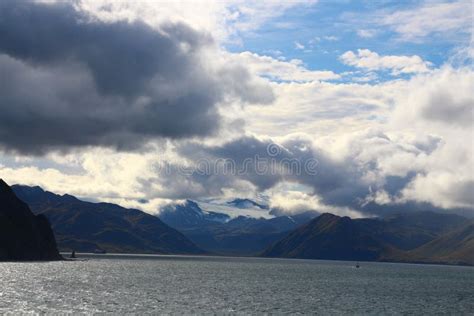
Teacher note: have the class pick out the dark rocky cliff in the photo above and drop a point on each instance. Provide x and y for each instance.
(23, 235)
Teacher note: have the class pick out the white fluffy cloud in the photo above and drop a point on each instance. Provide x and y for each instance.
(366, 59)
(441, 104)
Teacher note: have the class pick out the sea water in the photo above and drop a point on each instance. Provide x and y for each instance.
(119, 284)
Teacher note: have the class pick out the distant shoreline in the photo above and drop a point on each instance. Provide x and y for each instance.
(84, 255)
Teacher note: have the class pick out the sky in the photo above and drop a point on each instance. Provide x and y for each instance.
(357, 108)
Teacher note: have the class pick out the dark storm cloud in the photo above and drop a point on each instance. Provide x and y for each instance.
(71, 80)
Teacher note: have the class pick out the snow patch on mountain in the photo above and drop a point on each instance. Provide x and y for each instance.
(236, 208)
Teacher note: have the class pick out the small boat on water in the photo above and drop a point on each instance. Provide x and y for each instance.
(357, 265)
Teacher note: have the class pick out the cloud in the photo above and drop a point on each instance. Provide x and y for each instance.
(368, 176)
(319, 109)
(366, 33)
(440, 104)
(455, 109)
(278, 70)
(227, 21)
(372, 61)
(248, 16)
(393, 140)
(295, 160)
(444, 19)
(77, 81)
(442, 189)
(136, 75)
(289, 201)
(299, 46)
(403, 160)
(441, 100)
(116, 177)
(331, 38)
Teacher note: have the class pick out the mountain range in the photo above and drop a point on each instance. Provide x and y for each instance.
(411, 237)
(91, 227)
(243, 227)
(454, 247)
(23, 235)
(223, 234)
